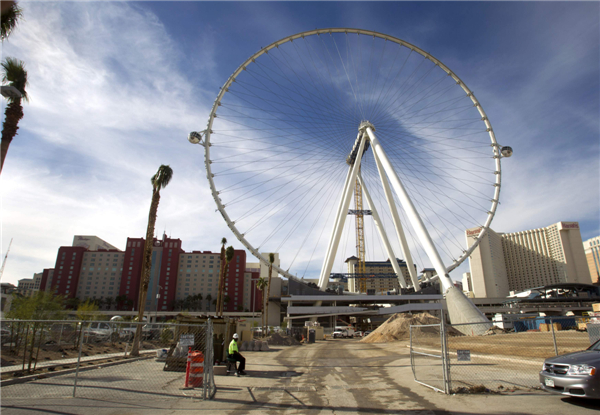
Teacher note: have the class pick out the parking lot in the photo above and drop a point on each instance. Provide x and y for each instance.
(339, 376)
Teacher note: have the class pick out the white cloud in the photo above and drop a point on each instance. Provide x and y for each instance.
(109, 104)
(114, 96)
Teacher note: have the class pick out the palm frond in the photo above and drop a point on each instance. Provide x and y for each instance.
(229, 254)
(9, 21)
(15, 74)
(162, 177)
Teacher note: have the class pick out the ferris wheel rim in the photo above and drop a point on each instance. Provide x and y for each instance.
(264, 50)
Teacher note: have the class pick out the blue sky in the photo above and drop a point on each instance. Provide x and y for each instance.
(116, 86)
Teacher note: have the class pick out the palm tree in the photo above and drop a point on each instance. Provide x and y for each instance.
(261, 284)
(271, 260)
(221, 284)
(15, 75)
(159, 181)
(120, 299)
(109, 302)
(228, 257)
(10, 18)
(198, 302)
(208, 298)
(226, 301)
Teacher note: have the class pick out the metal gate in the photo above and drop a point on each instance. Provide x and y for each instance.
(429, 356)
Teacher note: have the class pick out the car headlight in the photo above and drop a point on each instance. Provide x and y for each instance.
(582, 370)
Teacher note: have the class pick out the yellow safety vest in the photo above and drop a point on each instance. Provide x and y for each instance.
(233, 347)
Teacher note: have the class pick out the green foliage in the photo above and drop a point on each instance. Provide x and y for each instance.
(15, 74)
(40, 306)
(261, 283)
(162, 177)
(88, 310)
(9, 21)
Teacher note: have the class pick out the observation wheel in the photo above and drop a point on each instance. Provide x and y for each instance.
(289, 124)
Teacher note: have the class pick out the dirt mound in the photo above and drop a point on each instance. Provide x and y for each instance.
(277, 339)
(397, 327)
(495, 330)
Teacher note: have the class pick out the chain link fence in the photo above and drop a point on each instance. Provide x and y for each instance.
(428, 356)
(444, 358)
(94, 359)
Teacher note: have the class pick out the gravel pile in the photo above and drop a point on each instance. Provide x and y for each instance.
(397, 327)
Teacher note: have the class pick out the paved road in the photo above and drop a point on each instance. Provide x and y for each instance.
(331, 377)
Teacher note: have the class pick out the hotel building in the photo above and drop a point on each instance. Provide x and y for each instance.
(94, 269)
(380, 285)
(522, 260)
(592, 255)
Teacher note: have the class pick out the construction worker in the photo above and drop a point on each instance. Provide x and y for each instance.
(235, 354)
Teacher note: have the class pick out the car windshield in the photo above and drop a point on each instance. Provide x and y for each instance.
(595, 347)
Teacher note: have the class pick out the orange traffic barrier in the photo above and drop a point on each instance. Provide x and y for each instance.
(196, 375)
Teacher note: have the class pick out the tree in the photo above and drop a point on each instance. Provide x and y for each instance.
(221, 284)
(109, 302)
(40, 306)
(120, 300)
(226, 301)
(15, 75)
(271, 260)
(261, 284)
(86, 311)
(208, 299)
(159, 181)
(10, 18)
(229, 253)
(72, 303)
(198, 302)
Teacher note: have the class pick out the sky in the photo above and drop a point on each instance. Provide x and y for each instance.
(116, 87)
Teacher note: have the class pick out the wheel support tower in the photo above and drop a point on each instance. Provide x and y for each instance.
(460, 308)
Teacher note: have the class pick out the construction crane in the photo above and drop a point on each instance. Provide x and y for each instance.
(360, 213)
(5, 256)
(360, 237)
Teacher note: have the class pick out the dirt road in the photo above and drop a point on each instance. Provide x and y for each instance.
(330, 377)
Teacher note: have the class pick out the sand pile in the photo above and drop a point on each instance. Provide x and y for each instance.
(276, 339)
(397, 327)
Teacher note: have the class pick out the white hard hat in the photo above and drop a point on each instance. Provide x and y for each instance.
(235, 335)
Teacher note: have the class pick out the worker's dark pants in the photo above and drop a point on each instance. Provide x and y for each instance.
(239, 358)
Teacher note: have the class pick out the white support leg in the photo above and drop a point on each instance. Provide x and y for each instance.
(460, 308)
(382, 234)
(411, 212)
(338, 215)
(398, 225)
(341, 219)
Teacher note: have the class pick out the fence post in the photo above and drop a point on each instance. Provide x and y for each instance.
(78, 359)
(206, 357)
(445, 363)
(554, 337)
(412, 358)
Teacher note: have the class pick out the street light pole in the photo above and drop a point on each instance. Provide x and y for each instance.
(156, 308)
(254, 298)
